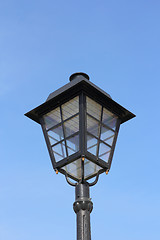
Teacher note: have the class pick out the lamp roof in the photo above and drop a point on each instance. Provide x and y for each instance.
(79, 82)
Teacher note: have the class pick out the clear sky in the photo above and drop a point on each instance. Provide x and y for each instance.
(117, 43)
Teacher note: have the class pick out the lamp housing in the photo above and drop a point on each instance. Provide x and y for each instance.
(80, 123)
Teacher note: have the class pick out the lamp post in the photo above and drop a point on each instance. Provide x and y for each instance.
(80, 123)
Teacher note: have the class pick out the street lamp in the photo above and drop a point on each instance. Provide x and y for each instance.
(80, 123)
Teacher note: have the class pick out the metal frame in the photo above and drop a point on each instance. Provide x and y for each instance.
(47, 142)
(72, 89)
(81, 88)
(82, 140)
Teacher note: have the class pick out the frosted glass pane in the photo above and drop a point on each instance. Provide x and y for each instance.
(105, 156)
(104, 152)
(52, 118)
(59, 151)
(109, 141)
(91, 144)
(71, 126)
(90, 168)
(73, 145)
(55, 135)
(92, 126)
(74, 168)
(70, 108)
(94, 108)
(109, 119)
(107, 135)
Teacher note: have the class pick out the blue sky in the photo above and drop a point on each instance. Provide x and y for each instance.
(117, 44)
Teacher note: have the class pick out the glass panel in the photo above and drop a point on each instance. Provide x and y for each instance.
(92, 126)
(107, 135)
(74, 168)
(73, 145)
(59, 151)
(70, 108)
(104, 152)
(105, 156)
(109, 119)
(53, 118)
(94, 108)
(71, 126)
(90, 168)
(55, 135)
(92, 144)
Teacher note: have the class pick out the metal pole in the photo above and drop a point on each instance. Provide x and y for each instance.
(83, 207)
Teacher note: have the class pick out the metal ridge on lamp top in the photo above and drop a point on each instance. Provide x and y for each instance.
(80, 123)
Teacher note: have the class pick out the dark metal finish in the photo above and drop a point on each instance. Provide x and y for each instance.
(82, 130)
(66, 138)
(79, 75)
(98, 161)
(48, 143)
(64, 134)
(114, 142)
(96, 180)
(80, 86)
(63, 121)
(83, 207)
(100, 122)
(66, 160)
(73, 89)
(99, 132)
(82, 123)
(68, 181)
(68, 175)
(95, 175)
(82, 170)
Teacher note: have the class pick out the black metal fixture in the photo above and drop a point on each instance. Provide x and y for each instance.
(80, 123)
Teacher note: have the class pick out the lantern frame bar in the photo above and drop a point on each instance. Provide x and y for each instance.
(100, 122)
(82, 123)
(47, 142)
(70, 136)
(98, 139)
(114, 142)
(96, 174)
(62, 121)
(64, 134)
(99, 132)
(98, 161)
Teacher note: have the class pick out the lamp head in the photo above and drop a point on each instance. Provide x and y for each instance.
(80, 123)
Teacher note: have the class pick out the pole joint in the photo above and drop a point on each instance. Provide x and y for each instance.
(83, 204)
